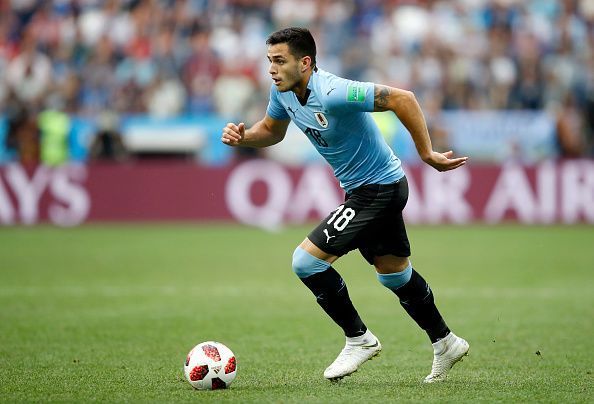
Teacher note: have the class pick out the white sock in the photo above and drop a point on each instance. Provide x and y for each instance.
(366, 338)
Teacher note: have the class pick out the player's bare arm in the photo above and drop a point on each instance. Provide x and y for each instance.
(266, 132)
(404, 104)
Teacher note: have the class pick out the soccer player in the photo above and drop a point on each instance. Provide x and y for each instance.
(333, 113)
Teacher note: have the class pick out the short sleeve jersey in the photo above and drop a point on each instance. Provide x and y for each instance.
(336, 119)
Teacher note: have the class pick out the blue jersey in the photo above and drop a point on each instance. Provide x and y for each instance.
(336, 120)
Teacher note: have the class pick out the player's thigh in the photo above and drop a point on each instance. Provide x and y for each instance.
(387, 234)
(344, 228)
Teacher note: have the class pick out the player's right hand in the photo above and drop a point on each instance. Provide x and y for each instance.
(444, 161)
(233, 134)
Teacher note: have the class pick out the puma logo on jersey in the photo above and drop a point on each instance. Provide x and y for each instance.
(321, 119)
(328, 236)
(293, 112)
(329, 91)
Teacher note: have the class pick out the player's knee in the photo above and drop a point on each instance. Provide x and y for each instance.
(388, 264)
(304, 264)
(396, 280)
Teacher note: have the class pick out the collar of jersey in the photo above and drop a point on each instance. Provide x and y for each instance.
(303, 101)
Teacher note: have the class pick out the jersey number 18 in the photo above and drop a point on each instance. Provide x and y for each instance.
(316, 136)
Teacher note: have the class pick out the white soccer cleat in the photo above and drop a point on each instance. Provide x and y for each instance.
(356, 351)
(446, 353)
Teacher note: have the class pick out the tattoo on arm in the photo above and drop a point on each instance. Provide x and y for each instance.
(381, 98)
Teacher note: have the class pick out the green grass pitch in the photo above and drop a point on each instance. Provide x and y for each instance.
(108, 313)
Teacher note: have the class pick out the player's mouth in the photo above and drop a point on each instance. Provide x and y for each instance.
(276, 81)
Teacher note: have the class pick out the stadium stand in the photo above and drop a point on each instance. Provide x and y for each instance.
(169, 59)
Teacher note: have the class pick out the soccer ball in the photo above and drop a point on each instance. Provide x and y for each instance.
(210, 366)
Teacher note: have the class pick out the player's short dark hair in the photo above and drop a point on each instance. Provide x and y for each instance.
(300, 41)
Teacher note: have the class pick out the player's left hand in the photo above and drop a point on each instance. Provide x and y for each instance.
(444, 162)
(233, 134)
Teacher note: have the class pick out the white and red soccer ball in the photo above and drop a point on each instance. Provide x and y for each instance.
(210, 366)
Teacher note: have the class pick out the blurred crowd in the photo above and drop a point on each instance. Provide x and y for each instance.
(166, 57)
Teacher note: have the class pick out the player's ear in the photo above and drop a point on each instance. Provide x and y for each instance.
(305, 63)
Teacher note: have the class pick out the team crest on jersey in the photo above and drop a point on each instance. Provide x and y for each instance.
(321, 119)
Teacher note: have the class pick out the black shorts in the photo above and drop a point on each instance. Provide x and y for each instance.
(370, 219)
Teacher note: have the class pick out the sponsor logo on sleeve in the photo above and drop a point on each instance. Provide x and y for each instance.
(355, 93)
